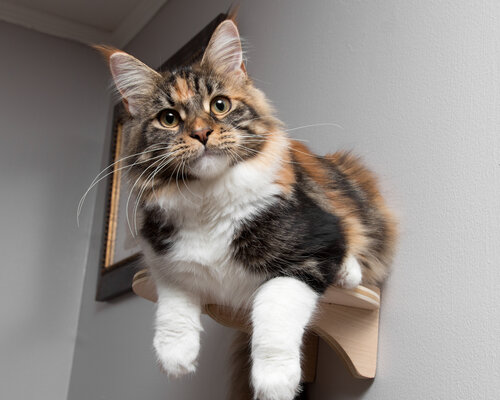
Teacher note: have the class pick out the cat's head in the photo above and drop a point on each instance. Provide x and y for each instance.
(194, 122)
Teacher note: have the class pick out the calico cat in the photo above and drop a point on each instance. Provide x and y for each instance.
(233, 212)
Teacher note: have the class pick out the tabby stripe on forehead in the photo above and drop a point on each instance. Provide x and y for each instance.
(168, 90)
(191, 78)
(209, 87)
(158, 103)
(197, 83)
(171, 79)
(170, 100)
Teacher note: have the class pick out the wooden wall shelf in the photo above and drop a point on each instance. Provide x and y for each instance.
(347, 320)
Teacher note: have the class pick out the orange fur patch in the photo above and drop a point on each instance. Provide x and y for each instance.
(310, 164)
(286, 176)
(199, 123)
(273, 150)
(340, 204)
(182, 90)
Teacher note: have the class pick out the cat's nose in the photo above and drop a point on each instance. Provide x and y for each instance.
(201, 134)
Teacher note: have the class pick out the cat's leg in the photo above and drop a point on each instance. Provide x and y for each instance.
(350, 274)
(177, 329)
(282, 308)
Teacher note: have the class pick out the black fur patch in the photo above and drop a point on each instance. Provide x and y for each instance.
(157, 230)
(295, 238)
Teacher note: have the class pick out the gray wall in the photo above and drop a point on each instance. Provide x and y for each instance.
(114, 358)
(53, 110)
(415, 86)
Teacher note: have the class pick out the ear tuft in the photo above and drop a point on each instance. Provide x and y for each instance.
(105, 50)
(133, 79)
(224, 51)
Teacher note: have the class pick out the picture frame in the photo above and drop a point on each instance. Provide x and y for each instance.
(119, 262)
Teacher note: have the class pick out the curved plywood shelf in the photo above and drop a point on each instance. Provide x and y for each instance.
(346, 319)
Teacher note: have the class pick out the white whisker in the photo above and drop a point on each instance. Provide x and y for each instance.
(315, 125)
(132, 191)
(150, 178)
(96, 181)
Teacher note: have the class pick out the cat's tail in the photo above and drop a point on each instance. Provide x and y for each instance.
(239, 388)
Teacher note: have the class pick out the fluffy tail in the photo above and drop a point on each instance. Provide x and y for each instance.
(239, 388)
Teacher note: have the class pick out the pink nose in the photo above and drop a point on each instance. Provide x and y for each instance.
(201, 135)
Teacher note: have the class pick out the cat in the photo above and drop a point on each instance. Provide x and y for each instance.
(234, 212)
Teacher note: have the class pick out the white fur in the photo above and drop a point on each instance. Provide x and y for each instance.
(281, 311)
(210, 166)
(349, 275)
(177, 330)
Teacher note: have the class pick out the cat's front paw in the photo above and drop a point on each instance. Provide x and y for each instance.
(177, 354)
(275, 379)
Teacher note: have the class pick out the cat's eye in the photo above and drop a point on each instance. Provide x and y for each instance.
(169, 118)
(220, 105)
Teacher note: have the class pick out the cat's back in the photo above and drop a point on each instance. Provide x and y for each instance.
(342, 184)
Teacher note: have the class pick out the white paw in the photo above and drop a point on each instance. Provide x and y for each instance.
(177, 353)
(274, 379)
(349, 275)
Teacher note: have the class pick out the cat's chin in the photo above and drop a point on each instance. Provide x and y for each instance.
(209, 165)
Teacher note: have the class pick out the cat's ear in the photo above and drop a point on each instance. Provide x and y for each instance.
(134, 80)
(224, 52)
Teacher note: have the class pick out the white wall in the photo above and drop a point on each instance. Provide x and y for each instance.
(53, 110)
(415, 86)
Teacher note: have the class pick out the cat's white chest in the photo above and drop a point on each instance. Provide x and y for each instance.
(201, 255)
(202, 258)
(203, 240)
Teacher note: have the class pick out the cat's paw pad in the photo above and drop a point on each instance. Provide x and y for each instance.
(276, 380)
(349, 275)
(177, 356)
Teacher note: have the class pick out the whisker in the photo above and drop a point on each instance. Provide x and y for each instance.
(177, 181)
(262, 139)
(163, 163)
(276, 156)
(156, 173)
(149, 149)
(132, 191)
(141, 191)
(234, 155)
(95, 182)
(185, 183)
(315, 125)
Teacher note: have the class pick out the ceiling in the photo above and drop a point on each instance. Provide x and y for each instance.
(113, 22)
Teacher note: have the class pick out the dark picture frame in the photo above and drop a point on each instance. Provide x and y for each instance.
(115, 277)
